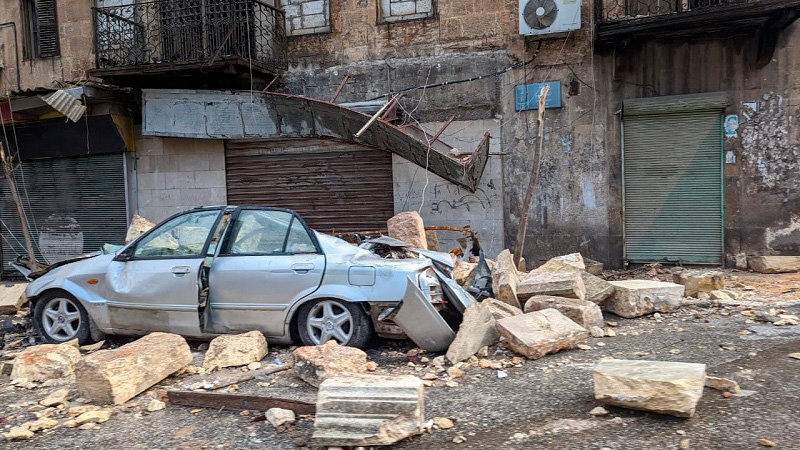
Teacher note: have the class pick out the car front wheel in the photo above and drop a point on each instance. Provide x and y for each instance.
(60, 317)
(322, 320)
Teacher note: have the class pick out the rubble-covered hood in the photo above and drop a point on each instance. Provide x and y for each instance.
(338, 251)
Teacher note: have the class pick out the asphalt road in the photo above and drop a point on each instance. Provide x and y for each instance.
(542, 404)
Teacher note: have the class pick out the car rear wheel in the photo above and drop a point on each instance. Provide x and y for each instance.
(60, 317)
(322, 320)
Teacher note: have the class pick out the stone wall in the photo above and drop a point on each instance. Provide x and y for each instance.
(175, 174)
(402, 10)
(75, 41)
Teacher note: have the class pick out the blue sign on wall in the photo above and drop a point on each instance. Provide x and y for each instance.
(527, 95)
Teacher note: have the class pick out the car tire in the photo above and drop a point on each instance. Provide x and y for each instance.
(59, 317)
(319, 319)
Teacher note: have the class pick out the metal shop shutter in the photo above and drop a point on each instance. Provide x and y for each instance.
(73, 206)
(335, 186)
(672, 172)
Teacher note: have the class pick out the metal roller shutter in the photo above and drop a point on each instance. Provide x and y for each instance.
(672, 170)
(335, 186)
(73, 206)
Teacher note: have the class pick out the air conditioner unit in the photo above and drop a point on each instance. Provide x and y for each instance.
(538, 17)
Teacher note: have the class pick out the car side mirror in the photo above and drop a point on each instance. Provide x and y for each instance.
(123, 256)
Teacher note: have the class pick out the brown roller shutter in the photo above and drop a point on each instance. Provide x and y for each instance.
(335, 186)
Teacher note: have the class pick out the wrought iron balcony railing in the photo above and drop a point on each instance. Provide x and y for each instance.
(618, 10)
(189, 32)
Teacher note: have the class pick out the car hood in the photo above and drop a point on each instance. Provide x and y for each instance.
(342, 252)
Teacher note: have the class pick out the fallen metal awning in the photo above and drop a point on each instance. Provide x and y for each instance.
(247, 116)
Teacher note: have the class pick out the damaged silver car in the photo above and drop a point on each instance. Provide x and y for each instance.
(217, 270)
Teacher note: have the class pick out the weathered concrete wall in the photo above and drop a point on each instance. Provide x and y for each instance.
(175, 174)
(443, 203)
(762, 185)
(75, 40)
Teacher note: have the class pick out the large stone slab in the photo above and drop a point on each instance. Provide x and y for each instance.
(664, 387)
(561, 284)
(235, 350)
(635, 298)
(139, 226)
(368, 410)
(582, 312)
(565, 263)
(538, 333)
(696, 282)
(11, 295)
(505, 279)
(408, 227)
(501, 310)
(45, 362)
(774, 264)
(596, 289)
(316, 363)
(478, 329)
(118, 375)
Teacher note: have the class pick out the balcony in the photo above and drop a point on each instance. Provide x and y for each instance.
(624, 20)
(189, 43)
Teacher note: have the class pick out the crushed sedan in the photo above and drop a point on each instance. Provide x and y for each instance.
(227, 269)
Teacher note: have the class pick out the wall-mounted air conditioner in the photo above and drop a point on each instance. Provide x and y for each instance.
(538, 17)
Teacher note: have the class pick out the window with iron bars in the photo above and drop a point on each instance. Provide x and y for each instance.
(39, 29)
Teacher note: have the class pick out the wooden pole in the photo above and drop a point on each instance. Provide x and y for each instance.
(522, 228)
(376, 116)
(12, 185)
(339, 90)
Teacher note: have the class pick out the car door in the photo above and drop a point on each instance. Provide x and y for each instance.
(153, 284)
(269, 260)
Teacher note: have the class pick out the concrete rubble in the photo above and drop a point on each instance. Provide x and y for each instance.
(139, 226)
(505, 279)
(774, 264)
(635, 298)
(536, 334)
(280, 418)
(696, 282)
(500, 309)
(315, 364)
(408, 227)
(722, 384)
(582, 312)
(478, 329)
(672, 388)
(562, 284)
(45, 362)
(235, 350)
(116, 376)
(368, 410)
(464, 273)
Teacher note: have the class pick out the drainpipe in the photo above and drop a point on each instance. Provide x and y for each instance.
(16, 49)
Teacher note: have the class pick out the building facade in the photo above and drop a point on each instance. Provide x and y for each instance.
(668, 133)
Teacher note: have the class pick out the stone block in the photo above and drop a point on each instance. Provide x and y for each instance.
(501, 310)
(561, 284)
(774, 264)
(635, 298)
(478, 329)
(316, 363)
(505, 279)
(235, 350)
(118, 375)
(593, 267)
(45, 362)
(664, 387)
(464, 273)
(408, 227)
(598, 290)
(696, 282)
(368, 410)
(10, 295)
(538, 333)
(582, 312)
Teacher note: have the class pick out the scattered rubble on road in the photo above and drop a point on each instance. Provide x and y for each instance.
(45, 362)
(315, 364)
(774, 264)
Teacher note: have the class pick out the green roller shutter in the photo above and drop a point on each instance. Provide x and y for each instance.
(672, 171)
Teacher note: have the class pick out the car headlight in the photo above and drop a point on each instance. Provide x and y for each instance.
(430, 285)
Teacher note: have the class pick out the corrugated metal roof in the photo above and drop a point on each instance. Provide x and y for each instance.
(65, 103)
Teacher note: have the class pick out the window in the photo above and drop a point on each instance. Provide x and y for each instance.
(40, 29)
(259, 232)
(403, 10)
(182, 237)
(307, 16)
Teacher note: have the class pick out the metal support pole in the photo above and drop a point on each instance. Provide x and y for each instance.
(12, 185)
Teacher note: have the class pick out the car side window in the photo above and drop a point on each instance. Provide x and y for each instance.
(183, 236)
(261, 232)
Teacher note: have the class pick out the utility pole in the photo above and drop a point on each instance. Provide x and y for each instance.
(12, 185)
(522, 228)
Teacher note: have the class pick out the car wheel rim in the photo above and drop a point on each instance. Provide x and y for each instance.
(329, 320)
(61, 319)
